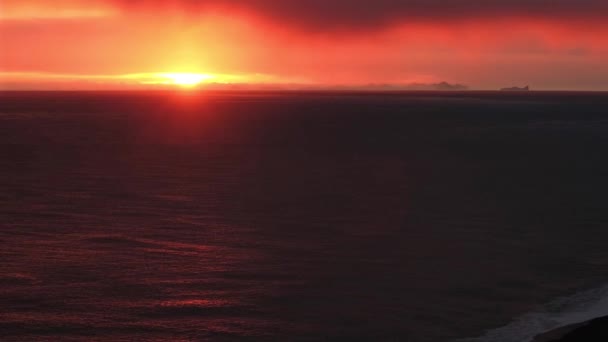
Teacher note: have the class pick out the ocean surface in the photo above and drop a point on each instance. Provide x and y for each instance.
(261, 216)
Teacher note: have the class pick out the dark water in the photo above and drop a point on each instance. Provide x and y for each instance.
(231, 216)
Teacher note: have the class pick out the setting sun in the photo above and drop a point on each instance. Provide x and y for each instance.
(186, 79)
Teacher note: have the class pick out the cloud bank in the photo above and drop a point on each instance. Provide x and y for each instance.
(352, 14)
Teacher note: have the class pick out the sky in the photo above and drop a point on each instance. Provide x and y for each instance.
(132, 44)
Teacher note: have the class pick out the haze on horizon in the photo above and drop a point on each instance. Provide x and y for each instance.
(122, 44)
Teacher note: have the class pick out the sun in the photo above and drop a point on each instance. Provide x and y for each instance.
(186, 79)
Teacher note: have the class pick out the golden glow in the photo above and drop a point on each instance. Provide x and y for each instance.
(158, 80)
(186, 79)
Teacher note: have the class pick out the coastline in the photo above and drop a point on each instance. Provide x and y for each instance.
(589, 331)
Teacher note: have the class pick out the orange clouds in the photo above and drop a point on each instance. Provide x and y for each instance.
(554, 51)
(57, 9)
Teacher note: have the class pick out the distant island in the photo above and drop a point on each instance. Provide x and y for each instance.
(440, 86)
(526, 88)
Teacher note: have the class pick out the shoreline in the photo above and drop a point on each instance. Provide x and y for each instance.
(593, 330)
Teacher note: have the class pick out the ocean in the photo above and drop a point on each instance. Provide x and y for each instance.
(301, 216)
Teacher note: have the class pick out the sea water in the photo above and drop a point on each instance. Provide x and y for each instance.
(189, 216)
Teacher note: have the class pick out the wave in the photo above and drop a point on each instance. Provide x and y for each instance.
(113, 240)
(17, 279)
(149, 245)
(200, 308)
(580, 307)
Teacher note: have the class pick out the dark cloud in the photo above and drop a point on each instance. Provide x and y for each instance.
(328, 14)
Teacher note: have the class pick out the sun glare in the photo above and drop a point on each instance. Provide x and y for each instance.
(187, 79)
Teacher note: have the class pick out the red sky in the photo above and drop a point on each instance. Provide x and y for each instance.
(549, 44)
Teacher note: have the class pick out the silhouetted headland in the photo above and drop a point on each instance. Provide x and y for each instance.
(595, 330)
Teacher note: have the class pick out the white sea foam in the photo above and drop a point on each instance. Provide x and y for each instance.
(577, 308)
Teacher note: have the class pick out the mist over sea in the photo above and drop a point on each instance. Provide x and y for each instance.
(224, 216)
